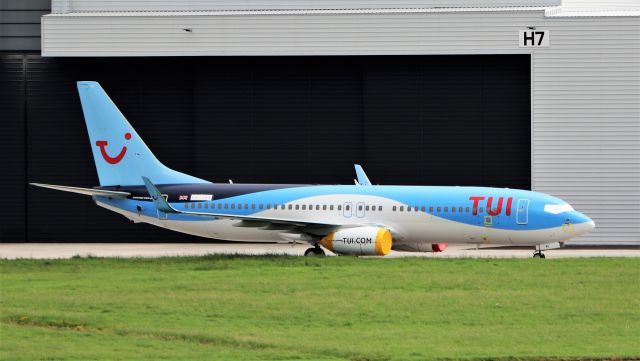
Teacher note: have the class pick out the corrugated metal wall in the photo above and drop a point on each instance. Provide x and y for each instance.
(63, 6)
(586, 135)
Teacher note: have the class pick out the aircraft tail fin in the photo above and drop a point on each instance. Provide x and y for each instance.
(363, 180)
(120, 155)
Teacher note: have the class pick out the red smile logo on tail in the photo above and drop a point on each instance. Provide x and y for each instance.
(112, 160)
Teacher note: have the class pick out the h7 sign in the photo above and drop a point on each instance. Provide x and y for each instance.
(533, 38)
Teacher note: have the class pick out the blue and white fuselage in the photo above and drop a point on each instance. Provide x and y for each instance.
(414, 214)
(347, 219)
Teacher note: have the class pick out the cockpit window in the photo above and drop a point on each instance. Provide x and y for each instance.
(557, 208)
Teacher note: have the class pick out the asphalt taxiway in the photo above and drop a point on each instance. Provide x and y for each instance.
(126, 250)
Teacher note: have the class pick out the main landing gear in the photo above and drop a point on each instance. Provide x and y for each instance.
(538, 254)
(314, 251)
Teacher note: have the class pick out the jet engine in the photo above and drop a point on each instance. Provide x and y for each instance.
(420, 247)
(359, 241)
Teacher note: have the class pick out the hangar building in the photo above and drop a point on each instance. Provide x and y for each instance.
(540, 94)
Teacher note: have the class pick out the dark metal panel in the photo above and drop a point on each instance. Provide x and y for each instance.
(12, 148)
(19, 43)
(25, 5)
(22, 16)
(20, 24)
(506, 134)
(446, 120)
(20, 30)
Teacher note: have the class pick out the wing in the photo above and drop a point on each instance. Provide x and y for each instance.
(270, 223)
(85, 191)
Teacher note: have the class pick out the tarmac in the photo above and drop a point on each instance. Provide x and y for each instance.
(149, 250)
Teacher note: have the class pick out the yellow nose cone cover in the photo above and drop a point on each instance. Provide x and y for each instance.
(383, 242)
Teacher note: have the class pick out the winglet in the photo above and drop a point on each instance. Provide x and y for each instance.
(157, 197)
(363, 180)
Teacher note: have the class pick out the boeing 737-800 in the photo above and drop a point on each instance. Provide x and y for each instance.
(359, 219)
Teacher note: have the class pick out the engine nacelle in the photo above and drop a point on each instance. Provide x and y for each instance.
(420, 247)
(360, 241)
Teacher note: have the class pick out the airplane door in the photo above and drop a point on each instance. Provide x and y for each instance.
(346, 211)
(359, 209)
(522, 212)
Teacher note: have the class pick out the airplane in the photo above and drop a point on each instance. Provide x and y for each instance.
(359, 219)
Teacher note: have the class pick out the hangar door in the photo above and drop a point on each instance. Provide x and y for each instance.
(433, 120)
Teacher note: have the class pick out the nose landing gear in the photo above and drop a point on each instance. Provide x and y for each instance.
(538, 254)
(314, 251)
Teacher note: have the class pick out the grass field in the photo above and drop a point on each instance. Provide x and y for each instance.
(334, 308)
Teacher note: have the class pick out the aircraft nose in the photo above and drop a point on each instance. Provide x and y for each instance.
(584, 224)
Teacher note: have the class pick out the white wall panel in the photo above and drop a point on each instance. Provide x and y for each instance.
(63, 6)
(585, 86)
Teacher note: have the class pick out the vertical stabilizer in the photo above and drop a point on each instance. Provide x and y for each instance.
(120, 154)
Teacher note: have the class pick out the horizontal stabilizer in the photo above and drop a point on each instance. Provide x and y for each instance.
(85, 191)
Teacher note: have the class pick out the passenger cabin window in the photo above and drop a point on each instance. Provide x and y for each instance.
(340, 208)
(331, 207)
(366, 208)
(324, 207)
(226, 206)
(430, 209)
(193, 205)
(467, 209)
(394, 208)
(438, 209)
(481, 209)
(360, 207)
(460, 210)
(453, 209)
(297, 207)
(290, 206)
(346, 208)
(186, 205)
(423, 208)
(379, 208)
(401, 208)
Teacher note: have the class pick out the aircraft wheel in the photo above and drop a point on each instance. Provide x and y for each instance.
(314, 251)
(538, 255)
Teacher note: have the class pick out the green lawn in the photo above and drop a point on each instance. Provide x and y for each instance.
(333, 308)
